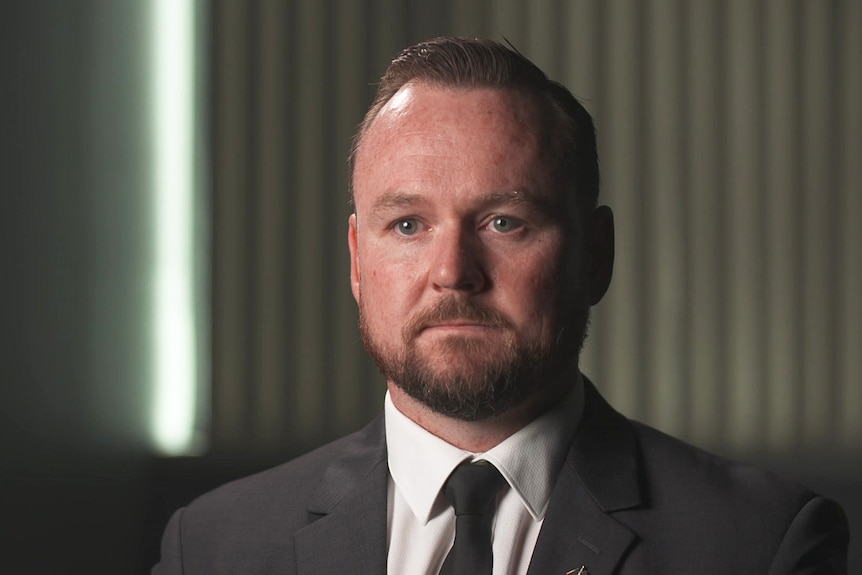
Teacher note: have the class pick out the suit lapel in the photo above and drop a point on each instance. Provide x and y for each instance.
(599, 476)
(347, 533)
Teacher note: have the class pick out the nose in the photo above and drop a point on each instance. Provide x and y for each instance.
(456, 262)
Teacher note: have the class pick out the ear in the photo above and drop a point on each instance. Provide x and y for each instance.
(599, 256)
(354, 256)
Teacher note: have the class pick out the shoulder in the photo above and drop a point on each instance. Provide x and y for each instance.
(670, 473)
(689, 507)
(697, 497)
(253, 519)
(286, 490)
(672, 469)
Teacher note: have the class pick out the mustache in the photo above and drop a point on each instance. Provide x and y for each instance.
(454, 309)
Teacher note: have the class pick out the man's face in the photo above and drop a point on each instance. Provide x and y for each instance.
(462, 251)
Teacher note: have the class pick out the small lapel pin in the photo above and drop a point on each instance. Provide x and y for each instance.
(581, 571)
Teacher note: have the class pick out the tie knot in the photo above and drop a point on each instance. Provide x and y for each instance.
(472, 488)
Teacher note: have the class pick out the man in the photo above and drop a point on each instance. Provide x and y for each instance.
(477, 248)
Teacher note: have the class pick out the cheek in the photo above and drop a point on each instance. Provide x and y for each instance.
(387, 283)
(546, 293)
(534, 287)
(391, 264)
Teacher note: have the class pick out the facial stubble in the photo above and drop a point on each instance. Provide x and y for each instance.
(473, 378)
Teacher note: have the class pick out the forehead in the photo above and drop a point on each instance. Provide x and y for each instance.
(452, 137)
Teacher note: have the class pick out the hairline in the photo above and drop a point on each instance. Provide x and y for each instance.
(543, 105)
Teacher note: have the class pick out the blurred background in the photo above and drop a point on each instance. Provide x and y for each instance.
(175, 301)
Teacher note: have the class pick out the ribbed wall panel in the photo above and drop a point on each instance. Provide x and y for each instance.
(742, 233)
(232, 377)
(273, 215)
(730, 140)
(849, 192)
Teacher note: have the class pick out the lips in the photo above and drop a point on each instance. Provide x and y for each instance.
(458, 325)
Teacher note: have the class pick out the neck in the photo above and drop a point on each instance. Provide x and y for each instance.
(479, 436)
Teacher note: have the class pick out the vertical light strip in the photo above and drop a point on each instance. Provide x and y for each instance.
(174, 183)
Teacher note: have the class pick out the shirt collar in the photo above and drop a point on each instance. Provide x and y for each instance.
(420, 462)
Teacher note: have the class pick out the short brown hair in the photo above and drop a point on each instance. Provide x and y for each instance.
(482, 63)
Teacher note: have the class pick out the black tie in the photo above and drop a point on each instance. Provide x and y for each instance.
(472, 489)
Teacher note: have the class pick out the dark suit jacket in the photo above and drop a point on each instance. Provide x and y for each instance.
(628, 500)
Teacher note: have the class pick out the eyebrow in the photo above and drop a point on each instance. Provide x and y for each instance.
(390, 200)
(513, 197)
(534, 202)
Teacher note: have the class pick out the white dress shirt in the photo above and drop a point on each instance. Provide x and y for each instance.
(421, 523)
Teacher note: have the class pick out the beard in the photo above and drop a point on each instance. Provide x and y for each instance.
(473, 378)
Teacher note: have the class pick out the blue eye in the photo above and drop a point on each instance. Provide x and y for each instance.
(407, 227)
(504, 224)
